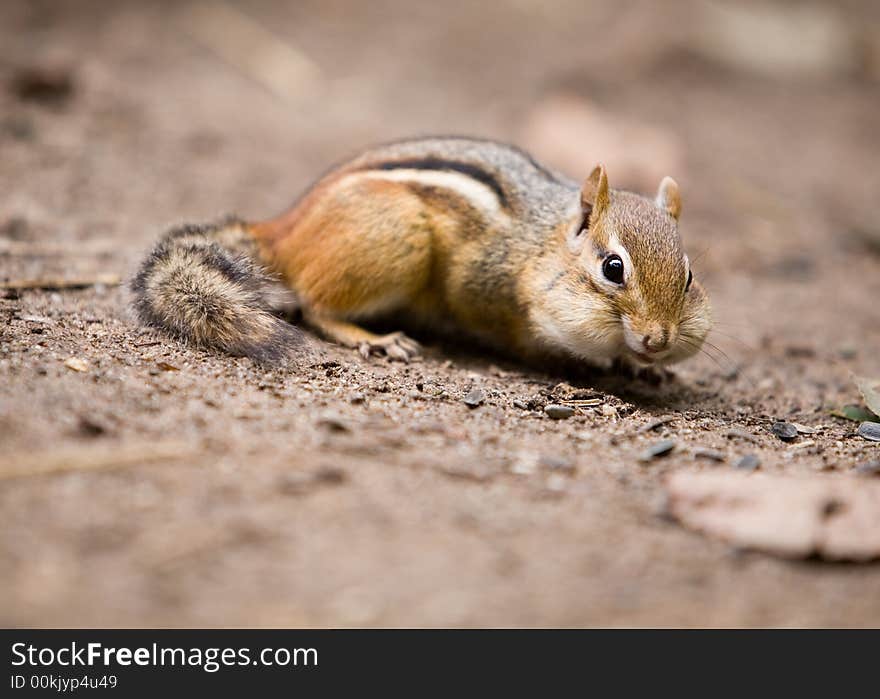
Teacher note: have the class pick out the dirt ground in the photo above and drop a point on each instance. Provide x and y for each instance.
(190, 489)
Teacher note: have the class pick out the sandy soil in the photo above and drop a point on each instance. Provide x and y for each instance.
(194, 489)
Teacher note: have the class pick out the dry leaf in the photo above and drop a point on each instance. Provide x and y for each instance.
(852, 412)
(165, 366)
(835, 518)
(76, 364)
(870, 390)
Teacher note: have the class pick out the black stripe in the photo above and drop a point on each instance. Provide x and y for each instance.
(473, 171)
(547, 174)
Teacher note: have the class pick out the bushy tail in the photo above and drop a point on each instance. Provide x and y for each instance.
(206, 286)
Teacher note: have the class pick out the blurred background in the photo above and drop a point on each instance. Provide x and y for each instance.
(187, 109)
(120, 118)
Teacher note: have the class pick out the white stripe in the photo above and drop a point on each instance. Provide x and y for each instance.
(481, 196)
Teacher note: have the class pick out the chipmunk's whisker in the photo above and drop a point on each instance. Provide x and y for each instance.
(718, 350)
(746, 345)
(702, 350)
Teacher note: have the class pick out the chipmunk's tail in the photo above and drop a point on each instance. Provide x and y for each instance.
(205, 285)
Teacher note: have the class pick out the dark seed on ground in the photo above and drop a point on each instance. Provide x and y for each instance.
(474, 398)
(710, 454)
(749, 462)
(654, 424)
(303, 483)
(91, 427)
(331, 475)
(785, 431)
(870, 431)
(657, 450)
(798, 351)
(558, 412)
(43, 84)
(869, 468)
(334, 423)
(555, 463)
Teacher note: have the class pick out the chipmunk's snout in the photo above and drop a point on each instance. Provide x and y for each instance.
(648, 340)
(656, 341)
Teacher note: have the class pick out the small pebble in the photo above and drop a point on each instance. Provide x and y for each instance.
(522, 405)
(556, 483)
(869, 468)
(870, 431)
(525, 464)
(749, 462)
(608, 411)
(657, 450)
(558, 412)
(784, 430)
(474, 398)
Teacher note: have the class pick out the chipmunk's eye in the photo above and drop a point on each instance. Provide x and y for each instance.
(690, 279)
(612, 268)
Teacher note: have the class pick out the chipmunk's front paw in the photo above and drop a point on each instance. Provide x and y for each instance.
(654, 375)
(394, 345)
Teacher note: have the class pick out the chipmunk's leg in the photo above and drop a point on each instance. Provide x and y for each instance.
(356, 249)
(396, 345)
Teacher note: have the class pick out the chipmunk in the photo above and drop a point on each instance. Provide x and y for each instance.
(461, 234)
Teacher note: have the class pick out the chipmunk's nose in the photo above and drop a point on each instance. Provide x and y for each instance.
(657, 340)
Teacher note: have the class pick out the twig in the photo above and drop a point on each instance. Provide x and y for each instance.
(61, 284)
(19, 248)
(91, 458)
(251, 48)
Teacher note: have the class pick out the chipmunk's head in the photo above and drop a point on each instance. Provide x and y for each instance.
(641, 300)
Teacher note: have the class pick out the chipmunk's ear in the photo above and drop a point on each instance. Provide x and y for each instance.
(594, 200)
(669, 198)
(594, 193)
